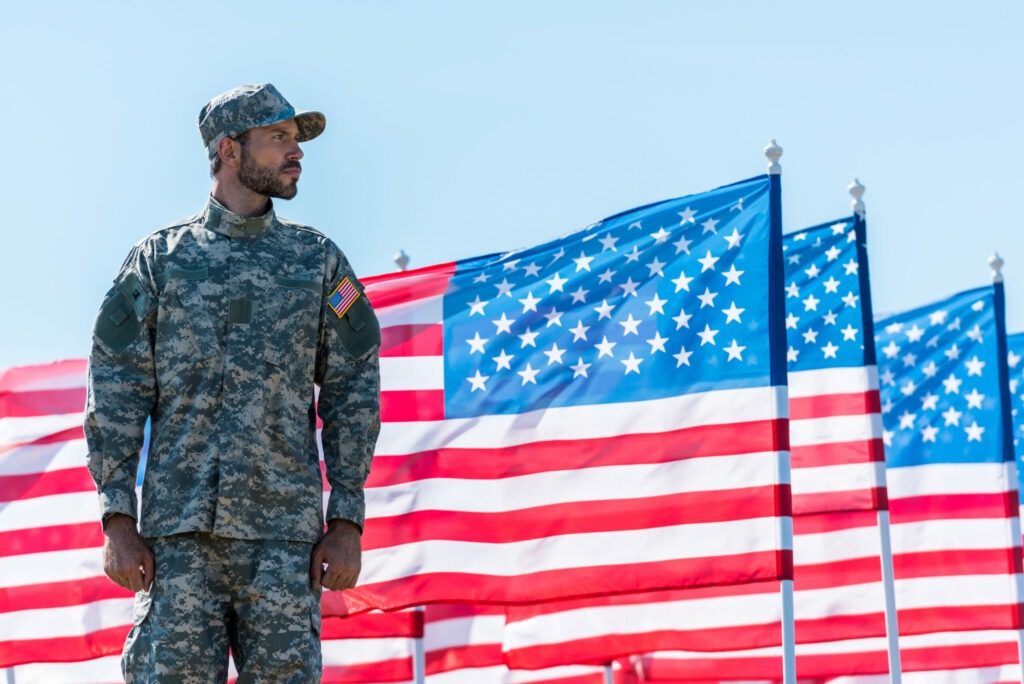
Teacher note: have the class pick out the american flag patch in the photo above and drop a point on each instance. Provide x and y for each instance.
(343, 297)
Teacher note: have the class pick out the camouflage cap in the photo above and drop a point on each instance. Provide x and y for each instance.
(252, 106)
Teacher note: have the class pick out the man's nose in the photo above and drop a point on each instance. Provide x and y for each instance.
(296, 152)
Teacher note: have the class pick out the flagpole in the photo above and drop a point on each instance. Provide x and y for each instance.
(996, 264)
(419, 657)
(608, 678)
(892, 630)
(777, 335)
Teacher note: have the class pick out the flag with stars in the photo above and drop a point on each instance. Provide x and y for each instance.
(951, 473)
(595, 415)
(1015, 365)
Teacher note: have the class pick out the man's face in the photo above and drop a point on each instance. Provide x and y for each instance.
(269, 160)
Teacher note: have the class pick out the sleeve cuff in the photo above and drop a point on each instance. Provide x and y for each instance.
(114, 500)
(341, 505)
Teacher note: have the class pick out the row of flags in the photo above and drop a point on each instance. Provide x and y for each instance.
(672, 446)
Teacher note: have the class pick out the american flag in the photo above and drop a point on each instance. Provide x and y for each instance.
(838, 484)
(952, 476)
(592, 416)
(1015, 366)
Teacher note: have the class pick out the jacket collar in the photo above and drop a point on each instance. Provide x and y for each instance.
(226, 222)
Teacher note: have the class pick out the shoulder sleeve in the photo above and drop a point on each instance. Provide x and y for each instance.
(348, 372)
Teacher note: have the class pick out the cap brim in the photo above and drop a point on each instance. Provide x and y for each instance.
(311, 124)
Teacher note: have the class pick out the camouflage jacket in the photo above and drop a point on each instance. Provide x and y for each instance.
(216, 328)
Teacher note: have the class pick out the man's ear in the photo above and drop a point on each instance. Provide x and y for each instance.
(228, 150)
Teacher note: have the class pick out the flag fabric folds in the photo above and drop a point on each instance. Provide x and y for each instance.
(592, 416)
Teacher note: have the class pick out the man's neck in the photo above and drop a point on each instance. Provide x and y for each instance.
(238, 198)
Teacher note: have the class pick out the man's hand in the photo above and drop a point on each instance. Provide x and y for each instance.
(340, 550)
(127, 560)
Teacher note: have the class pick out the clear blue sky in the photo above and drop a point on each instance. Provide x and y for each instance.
(460, 128)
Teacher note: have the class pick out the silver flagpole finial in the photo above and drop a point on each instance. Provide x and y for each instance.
(996, 262)
(773, 152)
(856, 190)
(401, 259)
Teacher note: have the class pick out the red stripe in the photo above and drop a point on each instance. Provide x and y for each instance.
(65, 481)
(63, 649)
(572, 518)
(868, 499)
(60, 594)
(838, 573)
(954, 562)
(426, 588)
(935, 507)
(837, 453)
(33, 404)
(834, 522)
(52, 538)
(403, 624)
(412, 340)
(439, 612)
(397, 406)
(23, 378)
(397, 670)
(548, 456)
(829, 405)
(403, 287)
(459, 657)
(959, 618)
(690, 670)
(958, 656)
(68, 435)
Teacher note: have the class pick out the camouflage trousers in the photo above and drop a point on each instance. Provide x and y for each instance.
(210, 594)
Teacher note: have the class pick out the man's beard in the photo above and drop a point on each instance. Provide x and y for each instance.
(264, 180)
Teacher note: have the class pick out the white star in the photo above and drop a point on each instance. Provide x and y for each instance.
(955, 325)
(629, 326)
(707, 336)
(812, 271)
(974, 432)
(952, 416)
(914, 334)
(660, 235)
(529, 375)
(503, 360)
(708, 262)
(511, 265)
(604, 347)
(974, 366)
(634, 255)
(532, 270)
(708, 298)
(930, 369)
(887, 377)
(656, 304)
(632, 364)
(887, 437)
(683, 357)
(682, 320)
(629, 287)
(832, 285)
(504, 324)
(554, 354)
(558, 255)
(938, 317)
(891, 350)
(655, 267)
(609, 243)
(887, 406)
(975, 334)
(733, 313)
(682, 245)
(657, 342)
(732, 276)
(554, 318)
(682, 282)
(929, 402)
(579, 332)
(851, 267)
(733, 239)
(974, 399)
(687, 216)
(810, 336)
(849, 333)
(477, 306)
(738, 206)
(529, 302)
(476, 345)
(953, 353)
(838, 228)
(478, 382)
(556, 283)
(811, 303)
(928, 434)
(735, 351)
(504, 288)
(952, 384)
(606, 276)
(710, 226)
(482, 278)
(635, 224)
(791, 321)
(829, 350)
(794, 259)
(850, 300)
(832, 253)
(893, 328)
(792, 290)
(1012, 359)
(907, 420)
(528, 339)
(792, 354)
(909, 360)
(830, 318)
(580, 368)
(909, 388)
(579, 296)
(604, 311)
(583, 262)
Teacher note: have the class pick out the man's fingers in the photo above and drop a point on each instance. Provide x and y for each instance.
(316, 570)
(148, 569)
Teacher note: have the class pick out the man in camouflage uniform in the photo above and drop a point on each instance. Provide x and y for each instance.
(216, 329)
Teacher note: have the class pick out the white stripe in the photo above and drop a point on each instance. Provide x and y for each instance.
(826, 381)
(411, 373)
(17, 430)
(986, 636)
(958, 590)
(586, 422)
(591, 549)
(52, 623)
(841, 599)
(551, 674)
(950, 478)
(38, 379)
(471, 630)
(941, 535)
(44, 458)
(838, 478)
(426, 311)
(341, 652)
(620, 482)
(834, 429)
(52, 566)
(495, 674)
(835, 545)
(44, 511)
(106, 670)
(997, 673)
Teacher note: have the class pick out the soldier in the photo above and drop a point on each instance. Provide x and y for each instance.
(216, 329)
